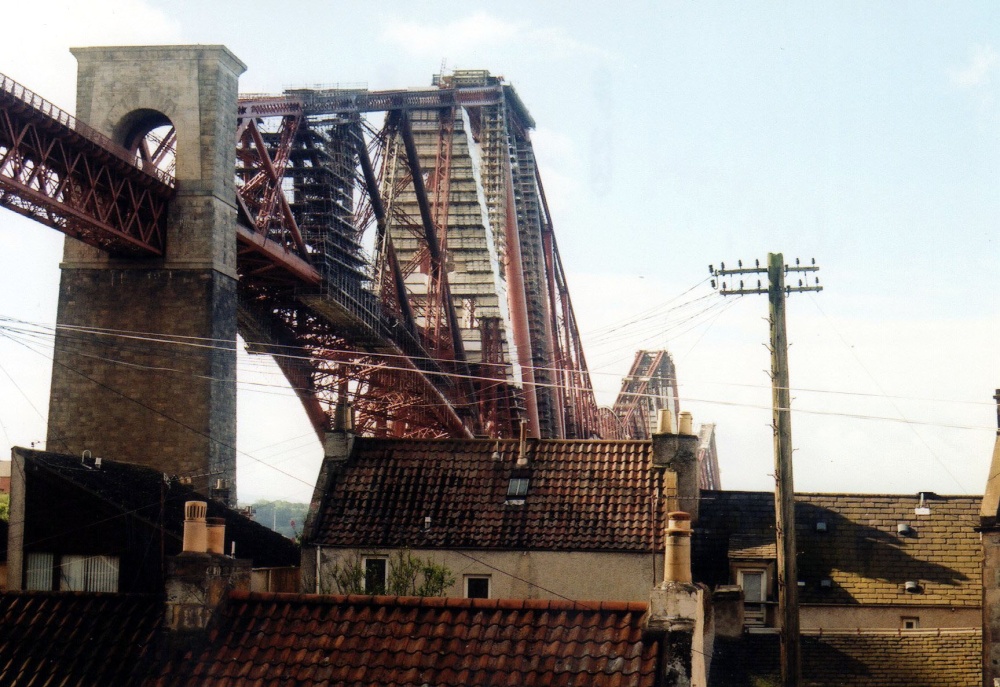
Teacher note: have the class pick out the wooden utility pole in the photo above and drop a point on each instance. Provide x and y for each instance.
(784, 489)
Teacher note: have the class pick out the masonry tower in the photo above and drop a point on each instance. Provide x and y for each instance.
(145, 358)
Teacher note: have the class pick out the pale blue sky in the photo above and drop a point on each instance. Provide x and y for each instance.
(671, 136)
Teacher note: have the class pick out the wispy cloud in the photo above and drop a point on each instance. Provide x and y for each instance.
(983, 63)
(470, 36)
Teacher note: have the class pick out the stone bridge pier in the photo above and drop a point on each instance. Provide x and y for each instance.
(145, 361)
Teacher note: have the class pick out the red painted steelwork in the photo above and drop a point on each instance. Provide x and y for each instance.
(651, 385)
(345, 328)
(66, 175)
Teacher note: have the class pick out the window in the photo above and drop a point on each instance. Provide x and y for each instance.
(71, 573)
(910, 623)
(477, 586)
(88, 574)
(38, 573)
(376, 575)
(754, 584)
(518, 488)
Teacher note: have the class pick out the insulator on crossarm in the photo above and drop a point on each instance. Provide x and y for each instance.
(757, 261)
(723, 286)
(711, 269)
(758, 283)
(817, 281)
(796, 261)
(722, 265)
(741, 283)
(740, 263)
(713, 284)
(800, 283)
(814, 261)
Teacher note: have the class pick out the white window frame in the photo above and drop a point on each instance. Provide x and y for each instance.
(754, 612)
(489, 586)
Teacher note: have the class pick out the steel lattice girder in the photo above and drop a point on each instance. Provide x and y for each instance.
(64, 174)
(391, 395)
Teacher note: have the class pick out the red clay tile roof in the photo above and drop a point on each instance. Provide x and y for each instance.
(859, 659)
(583, 495)
(75, 638)
(284, 639)
(861, 552)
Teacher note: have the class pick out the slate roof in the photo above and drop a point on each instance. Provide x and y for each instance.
(861, 659)
(861, 552)
(583, 496)
(75, 638)
(283, 639)
(137, 490)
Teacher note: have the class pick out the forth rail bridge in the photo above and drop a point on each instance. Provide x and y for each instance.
(393, 250)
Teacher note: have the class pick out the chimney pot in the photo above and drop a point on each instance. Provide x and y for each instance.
(684, 423)
(216, 535)
(664, 421)
(677, 566)
(195, 531)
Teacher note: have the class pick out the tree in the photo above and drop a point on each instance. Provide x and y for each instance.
(408, 575)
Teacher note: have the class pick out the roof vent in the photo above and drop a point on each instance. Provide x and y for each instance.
(922, 507)
(821, 526)
(912, 587)
(904, 530)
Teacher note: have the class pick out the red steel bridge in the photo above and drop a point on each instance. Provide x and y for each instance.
(395, 250)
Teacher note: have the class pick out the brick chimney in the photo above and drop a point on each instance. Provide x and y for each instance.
(200, 576)
(678, 455)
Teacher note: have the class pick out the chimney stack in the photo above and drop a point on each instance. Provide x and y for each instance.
(220, 492)
(679, 611)
(200, 577)
(678, 454)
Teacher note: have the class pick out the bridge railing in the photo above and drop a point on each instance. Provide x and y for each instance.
(40, 104)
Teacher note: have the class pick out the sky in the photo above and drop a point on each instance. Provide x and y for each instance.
(670, 136)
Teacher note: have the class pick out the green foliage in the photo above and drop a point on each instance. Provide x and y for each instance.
(347, 576)
(4, 507)
(412, 576)
(408, 576)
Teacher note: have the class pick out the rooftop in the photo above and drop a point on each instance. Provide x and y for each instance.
(581, 496)
(886, 659)
(271, 639)
(853, 540)
(139, 491)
